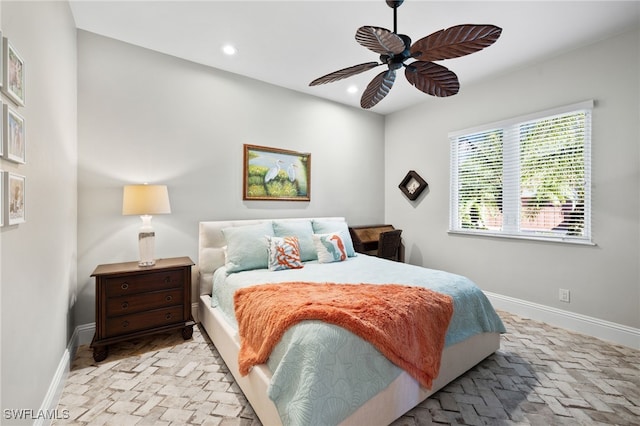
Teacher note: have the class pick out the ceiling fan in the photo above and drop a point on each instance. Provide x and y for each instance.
(425, 75)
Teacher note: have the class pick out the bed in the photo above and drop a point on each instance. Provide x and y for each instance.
(225, 264)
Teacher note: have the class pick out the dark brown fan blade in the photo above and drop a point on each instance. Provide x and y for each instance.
(344, 73)
(432, 79)
(378, 89)
(455, 42)
(380, 40)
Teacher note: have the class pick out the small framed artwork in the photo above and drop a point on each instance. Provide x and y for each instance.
(1, 61)
(412, 185)
(276, 174)
(1, 198)
(14, 135)
(13, 73)
(15, 198)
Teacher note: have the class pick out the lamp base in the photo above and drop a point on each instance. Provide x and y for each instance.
(146, 242)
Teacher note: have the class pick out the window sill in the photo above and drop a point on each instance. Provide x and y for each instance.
(524, 237)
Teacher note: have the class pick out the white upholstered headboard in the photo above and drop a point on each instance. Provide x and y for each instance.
(211, 242)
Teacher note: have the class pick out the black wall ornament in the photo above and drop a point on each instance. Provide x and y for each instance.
(412, 185)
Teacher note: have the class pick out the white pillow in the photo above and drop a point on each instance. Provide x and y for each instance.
(325, 226)
(330, 247)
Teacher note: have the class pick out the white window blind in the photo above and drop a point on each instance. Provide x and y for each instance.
(527, 177)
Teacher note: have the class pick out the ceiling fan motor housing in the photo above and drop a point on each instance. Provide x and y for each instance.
(396, 61)
(394, 3)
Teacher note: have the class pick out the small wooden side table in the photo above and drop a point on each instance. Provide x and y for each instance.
(134, 301)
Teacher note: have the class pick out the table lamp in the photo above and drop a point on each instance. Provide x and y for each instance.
(145, 200)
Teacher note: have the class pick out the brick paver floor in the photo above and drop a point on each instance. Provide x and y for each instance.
(542, 375)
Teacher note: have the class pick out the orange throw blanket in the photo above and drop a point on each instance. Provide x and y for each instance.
(406, 324)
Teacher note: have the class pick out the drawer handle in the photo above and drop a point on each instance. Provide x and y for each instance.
(125, 305)
(168, 298)
(167, 279)
(124, 286)
(125, 324)
(167, 316)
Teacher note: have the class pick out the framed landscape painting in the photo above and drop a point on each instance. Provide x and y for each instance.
(276, 174)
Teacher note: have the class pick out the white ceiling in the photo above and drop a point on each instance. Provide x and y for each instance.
(290, 43)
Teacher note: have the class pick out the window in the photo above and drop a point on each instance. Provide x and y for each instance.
(528, 177)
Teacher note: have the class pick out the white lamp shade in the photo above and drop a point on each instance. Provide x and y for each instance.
(145, 200)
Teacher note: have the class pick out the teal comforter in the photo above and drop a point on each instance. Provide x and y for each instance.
(323, 373)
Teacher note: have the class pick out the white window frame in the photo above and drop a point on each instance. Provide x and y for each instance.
(511, 187)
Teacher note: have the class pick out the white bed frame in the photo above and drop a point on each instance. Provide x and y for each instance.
(400, 396)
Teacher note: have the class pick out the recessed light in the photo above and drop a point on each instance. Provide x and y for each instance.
(229, 50)
(352, 89)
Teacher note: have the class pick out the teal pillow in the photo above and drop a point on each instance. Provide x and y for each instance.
(247, 246)
(329, 226)
(301, 229)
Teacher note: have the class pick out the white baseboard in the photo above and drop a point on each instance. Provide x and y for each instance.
(194, 311)
(85, 334)
(47, 411)
(605, 330)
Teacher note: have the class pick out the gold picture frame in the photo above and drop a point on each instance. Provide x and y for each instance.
(275, 174)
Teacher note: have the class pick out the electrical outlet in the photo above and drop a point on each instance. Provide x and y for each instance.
(564, 295)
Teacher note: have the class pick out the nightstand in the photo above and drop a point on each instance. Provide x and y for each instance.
(134, 301)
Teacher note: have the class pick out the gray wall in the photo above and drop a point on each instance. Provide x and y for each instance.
(148, 117)
(38, 258)
(604, 280)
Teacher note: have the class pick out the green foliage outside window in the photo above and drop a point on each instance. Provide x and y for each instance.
(548, 169)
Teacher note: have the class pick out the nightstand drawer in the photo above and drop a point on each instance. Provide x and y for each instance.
(131, 284)
(131, 304)
(157, 318)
